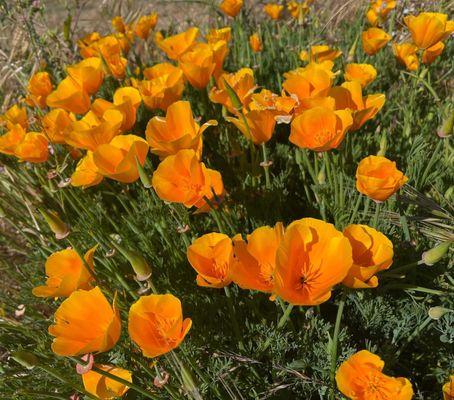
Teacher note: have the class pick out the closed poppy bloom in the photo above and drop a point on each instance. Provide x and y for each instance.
(177, 131)
(56, 124)
(231, 7)
(85, 323)
(431, 53)
(214, 35)
(374, 39)
(39, 87)
(372, 252)
(407, 54)
(211, 255)
(175, 46)
(70, 96)
(110, 49)
(312, 258)
(448, 389)
(255, 42)
(156, 324)
(320, 53)
(428, 28)
(117, 160)
(103, 387)
(163, 86)
(87, 173)
(15, 115)
(33, 148)
(273, 10)
(66, 273)
(360, 377)
(260, 125)
(145, 24)
(198, 65)
(255, 258)
(11, 139)
(182, 178)
(320, 128)
(362, 73)
(118, 24)
(88, 73)
(378, 178)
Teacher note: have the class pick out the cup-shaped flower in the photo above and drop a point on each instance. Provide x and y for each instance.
(406, 54)
(378, 178)
(298, 10)
(110, 49)
(156, 324)
(88, 73)
(428, 28)
(56, 125)
(448, 389)
(360, 377)
(320, 128)
(66, 272)
(220, 51)
(15, 115)
(87, 45)
(379, 10)
(255, 42)
(255, 258)
(273, 10)
(175, 46)
(231, 7)
(145, 24)
(363, 73)
(85, 323)
(211, 255)
(312, 258)
(374, 39)
(70, 96)
(39, 87)
(117, 160)
(33, 148)
(87, 173)
(11, 139)
(430, 54)
(320, 53)
(177, 131)
(198, 65)
(103, 387)
(372, 252)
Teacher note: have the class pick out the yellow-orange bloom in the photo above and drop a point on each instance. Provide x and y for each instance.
(85, 323)
(56, 125)
(428, 28)
(360, 377)
(15, 115)
(70, 96)
(66, 273)
(255, 42)
(182, 178)
(255, 259)
(118, 24)
(211, 255)
(214, 35)
(273, 10)
(312, 258)
(406, 54)
(320, 128)
(156, 324)
(198, 65)
(320, 53)
(298, 10)
(448, 389)
(374, 39)
(378, 178)
(87, 173)
(88, 73)
(103, 387)
(379, 10)
(431, 53)
(33, 148)
(117, 160)
(231, 7)
(11, 139)
(110, 48)
(145, 24)
(175, 132)
(372, 252)
(175, 46)
(87, 45)
(39, 87)
(363, 73)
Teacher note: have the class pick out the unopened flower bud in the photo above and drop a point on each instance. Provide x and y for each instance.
(25, 358)
(446, 128)
(383, 145)
(143, 175)
(435, 254)
(321, 177)
(56, 225)
(137, 261)
(438, 312)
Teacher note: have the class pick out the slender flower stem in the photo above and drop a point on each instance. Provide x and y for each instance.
(266, 166)
(402, 268)
(236, 327)
(282, 321)
(376, 215)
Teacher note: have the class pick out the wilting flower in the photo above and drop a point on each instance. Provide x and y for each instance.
(177, 131)
(255, 259)
(211, 255)
(56, 125)
(103, 387)
(312, 258)
(360, 377)
(363, 73)
(231, 7)
(320, 53)
(111, 48)
(428, 28)
(182, 178)
(85, 323)
(214, 35)
(70, 96)
(118, 24)
(145, 24)
(117, 160)
(163, 86)
(39, 87)
(66, 273)
(372, 252)
(320, 128)
(87, 173)
(273, 10)
(15, 115)
(406, 54)
(198, 65)
(448, 389)
(374, 39)
(156, 324)
(175, 46)
(33, 148)
(88, 73)
(11, 139)
(431, 53)
(379, 10)
(378, 178)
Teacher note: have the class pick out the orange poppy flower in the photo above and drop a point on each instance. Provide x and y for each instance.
(39, 87)
(312, 257)
(156, 324)
(175, 46)
(87, 45)
(177, 131)
(374, 39)
(198, 65)
(231, 7)
(298, 10)
(15, 115)
(260, 125)
(182, 178)
(379, 10)
(110, 49)
(428, 28)
(363, 73)
(103, 387)
(66, 273)
(70, 96)
(118, 24)
(85, 323)
(372, 252)
(320, 128)
(378, 178)
(320, 53)
(255, 259)
(255, 42)
(87, 173)
(145, 24)
(283, 106)
(273, 10)
(33, 148)
(56, 125)
(406, 54)
(430, 54)
(117, 160)
(11, 139)
(88, 73)
(215, 35)
(448, 389)
(360, 377)
(211, 255)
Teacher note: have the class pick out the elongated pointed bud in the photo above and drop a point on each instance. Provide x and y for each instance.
(383, 145)
(446, 128)
(138, 263)
(352, 51)
(321, 177)
(236, 102)
(25, 358)
(435, 254)
(56, 225)
(143, 175)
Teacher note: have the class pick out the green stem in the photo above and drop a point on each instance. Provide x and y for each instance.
(376, 215)
(282, 321)
(266, 166)
(236, 328)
